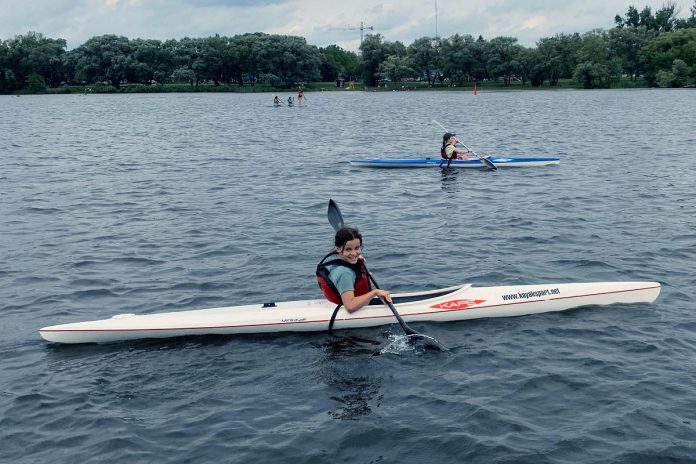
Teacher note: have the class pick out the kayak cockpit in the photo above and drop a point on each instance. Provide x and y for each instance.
(401, 298)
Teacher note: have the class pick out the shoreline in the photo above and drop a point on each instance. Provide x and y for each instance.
(309, 88)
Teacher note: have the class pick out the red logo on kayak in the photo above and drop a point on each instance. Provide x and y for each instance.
(457, 304)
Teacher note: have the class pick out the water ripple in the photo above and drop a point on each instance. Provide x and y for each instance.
(188, 201)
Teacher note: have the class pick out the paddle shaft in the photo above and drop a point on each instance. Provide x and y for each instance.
(402, 323)
(336, 221)
(489, 164)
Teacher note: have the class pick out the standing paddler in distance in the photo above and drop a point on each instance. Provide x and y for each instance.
(449, 149)
(344, 280)
(300, 96)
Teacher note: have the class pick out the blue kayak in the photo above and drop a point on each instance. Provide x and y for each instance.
(498, 161)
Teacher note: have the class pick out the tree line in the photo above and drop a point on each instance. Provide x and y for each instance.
(658, 47)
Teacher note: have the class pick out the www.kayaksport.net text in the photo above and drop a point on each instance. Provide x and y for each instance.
(531, 294)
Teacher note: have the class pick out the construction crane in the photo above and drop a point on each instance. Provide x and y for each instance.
(361, 30)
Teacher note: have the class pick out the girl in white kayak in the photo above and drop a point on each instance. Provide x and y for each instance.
(344, 280)
(449, 149)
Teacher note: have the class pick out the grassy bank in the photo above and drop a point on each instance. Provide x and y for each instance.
(317, 87)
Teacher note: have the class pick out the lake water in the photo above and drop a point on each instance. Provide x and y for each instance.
(148, 203)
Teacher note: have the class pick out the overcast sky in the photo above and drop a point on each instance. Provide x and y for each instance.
(321, 22)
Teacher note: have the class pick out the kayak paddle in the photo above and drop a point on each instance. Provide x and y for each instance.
(488, 163)
(336, 221)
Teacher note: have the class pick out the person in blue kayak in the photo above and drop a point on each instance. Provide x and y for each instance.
(344, 280)
(449, 149)
(291, 102)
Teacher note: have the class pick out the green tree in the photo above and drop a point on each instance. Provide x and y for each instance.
(666, 17)
(373, 53)
(7, 77)
(667, 47)
(288, 57)
(688, 22)
(502, 54)
(591, 75)
(647, 19)
(395, 48)
(632, 18)
(478, 50)
(105, 58)
(183, 54)
(559, 55)
(244, 47)
(423, 53)
(153, 61)
(183, 74)
(32, 54)
(36, 83)
(396, 68)
(211, 63)
(529, 66)
(681, 71)
(629, 44)
(461, 59)
(328, 69)
(677, 77)
(599, 66)
(337, 62)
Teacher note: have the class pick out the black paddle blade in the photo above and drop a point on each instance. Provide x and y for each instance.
(426, 342)
(488, 164)
(335, 216)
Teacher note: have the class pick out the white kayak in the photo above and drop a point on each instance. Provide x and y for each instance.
(445, 305)
(498, 161)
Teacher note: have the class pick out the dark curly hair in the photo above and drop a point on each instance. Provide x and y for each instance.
(346, 234)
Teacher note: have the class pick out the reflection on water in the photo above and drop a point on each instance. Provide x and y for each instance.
(338, 347)
(358, 396)
(349, 372)
(448, 179)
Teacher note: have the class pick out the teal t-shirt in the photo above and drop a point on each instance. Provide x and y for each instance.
(343, 278)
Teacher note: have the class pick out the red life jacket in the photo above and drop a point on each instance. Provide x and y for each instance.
(444, 155)
(362, 280)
